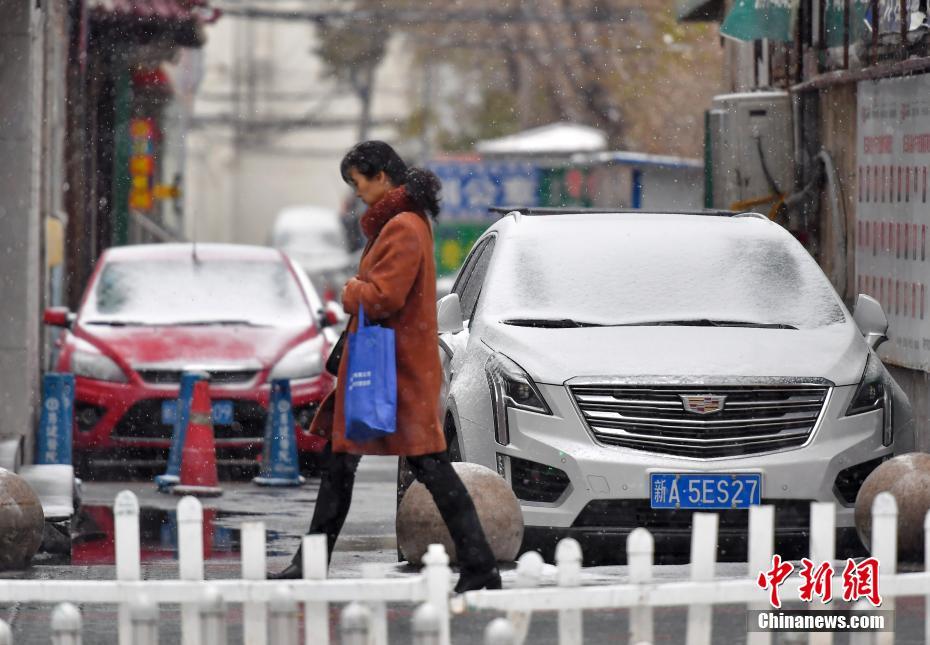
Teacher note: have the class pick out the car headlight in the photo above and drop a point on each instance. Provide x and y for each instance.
(89, 362)
(511, 387)
(872, 395)
(303, 361)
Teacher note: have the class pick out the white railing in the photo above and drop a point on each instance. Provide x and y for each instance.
(269, 606)
(271, 613)
(703, 590)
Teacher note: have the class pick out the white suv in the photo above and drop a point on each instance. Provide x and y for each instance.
(624, 369)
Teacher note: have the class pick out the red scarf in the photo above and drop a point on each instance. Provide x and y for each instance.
(396, 201)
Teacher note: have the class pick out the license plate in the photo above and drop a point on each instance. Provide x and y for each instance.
(696, 490)
(222, 412)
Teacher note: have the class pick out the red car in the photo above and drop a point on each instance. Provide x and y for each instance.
(244, 314)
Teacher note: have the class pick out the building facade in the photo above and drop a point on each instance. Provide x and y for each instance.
(857, 76)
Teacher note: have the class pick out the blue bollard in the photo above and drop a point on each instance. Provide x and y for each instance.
(53, 445)
(181, 418)
(279, 454)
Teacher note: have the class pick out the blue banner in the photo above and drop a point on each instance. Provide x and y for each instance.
(470, 187)
(53, 445)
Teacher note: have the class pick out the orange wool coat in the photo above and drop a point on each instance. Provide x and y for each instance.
(396, 283)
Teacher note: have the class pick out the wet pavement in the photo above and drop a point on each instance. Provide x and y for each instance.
(368, 538)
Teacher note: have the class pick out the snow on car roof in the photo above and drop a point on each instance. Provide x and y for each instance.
(207, 251)
(625, 268)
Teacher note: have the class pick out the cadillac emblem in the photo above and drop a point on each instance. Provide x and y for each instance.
(702, 403)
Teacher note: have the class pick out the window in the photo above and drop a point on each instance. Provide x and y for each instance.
(467, 267)
(469, 296)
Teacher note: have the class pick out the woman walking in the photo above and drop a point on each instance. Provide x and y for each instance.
(396, 286)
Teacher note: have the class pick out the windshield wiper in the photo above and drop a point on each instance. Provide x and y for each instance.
(115, 323)
(558, 323)
(207, 323)
(706, 322)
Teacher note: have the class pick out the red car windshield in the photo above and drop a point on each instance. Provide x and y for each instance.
(207, 292)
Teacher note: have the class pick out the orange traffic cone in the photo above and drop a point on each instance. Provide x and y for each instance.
(198, 459)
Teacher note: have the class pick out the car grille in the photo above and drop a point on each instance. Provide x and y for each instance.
(629, 514)
(143, 421)
(217, 377)
(754, 419)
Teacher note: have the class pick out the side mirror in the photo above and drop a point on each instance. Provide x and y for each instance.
(58, 317)
(332, 314)
(449, 314)
(870, 317)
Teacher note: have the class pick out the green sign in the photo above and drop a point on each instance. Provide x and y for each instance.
(757, 19)
(453, 242)
(833, 22)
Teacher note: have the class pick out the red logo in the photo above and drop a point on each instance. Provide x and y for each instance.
(817, 582)
(859, 580)
(775, 577)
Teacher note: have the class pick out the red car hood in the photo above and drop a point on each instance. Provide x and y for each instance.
(168, 345)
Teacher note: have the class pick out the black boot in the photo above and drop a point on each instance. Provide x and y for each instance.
(470, 581)
(293, 571)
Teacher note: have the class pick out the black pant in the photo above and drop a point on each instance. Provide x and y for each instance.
(436, 473)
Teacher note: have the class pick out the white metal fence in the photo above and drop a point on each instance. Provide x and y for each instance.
(270, 608)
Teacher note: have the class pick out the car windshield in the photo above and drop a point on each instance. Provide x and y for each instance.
(684, 271)
(172, 292)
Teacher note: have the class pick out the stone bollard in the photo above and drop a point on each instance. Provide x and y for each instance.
(66, 625)
(213, 618)
(426, 625)
(6, 635)
(499, 632)
(419, 523)
(354, 624)
(22, 520)
(282, 617)
(907, 478)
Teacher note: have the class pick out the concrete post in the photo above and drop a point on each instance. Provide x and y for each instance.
(282, 617)
(426, 625)
(66, 625)
(355, 624)
(212, 619)
(499, 632)
(144, 617)
(20, 257)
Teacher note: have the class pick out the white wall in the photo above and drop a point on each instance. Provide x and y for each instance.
(670, 188)
(235, 188)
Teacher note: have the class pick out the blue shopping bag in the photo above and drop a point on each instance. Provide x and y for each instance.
(370, 403)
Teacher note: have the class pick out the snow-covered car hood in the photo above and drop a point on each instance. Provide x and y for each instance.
(177, 346)
(553, 356)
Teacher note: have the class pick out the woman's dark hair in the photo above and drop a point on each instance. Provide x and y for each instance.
(372, 157)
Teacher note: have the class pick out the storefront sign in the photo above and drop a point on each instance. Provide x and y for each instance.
(141, 164)
(469, 188)
(892, 261)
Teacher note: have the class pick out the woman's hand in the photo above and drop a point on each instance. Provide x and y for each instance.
(342, 297)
